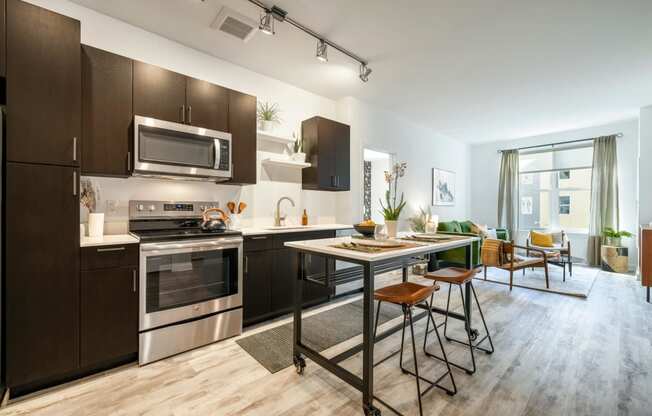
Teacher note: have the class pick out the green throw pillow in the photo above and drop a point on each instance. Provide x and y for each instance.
(466, 226)
(450, 227)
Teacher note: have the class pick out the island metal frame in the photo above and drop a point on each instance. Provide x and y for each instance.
(330, 277)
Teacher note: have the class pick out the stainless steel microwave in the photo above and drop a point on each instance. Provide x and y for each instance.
(178, 151)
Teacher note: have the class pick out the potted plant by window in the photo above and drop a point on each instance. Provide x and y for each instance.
(613, 237)
(392, 211)
(268, 115)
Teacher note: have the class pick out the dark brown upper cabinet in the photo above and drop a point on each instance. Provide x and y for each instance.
(42, 273)
(43, 86)
(327, 146)
(242, 126)
(159, 93)
(107, 81)
(207, 105)
(3, 38)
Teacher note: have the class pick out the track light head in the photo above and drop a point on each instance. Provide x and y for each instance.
(322, 51)
(266, 23)
(365, 71)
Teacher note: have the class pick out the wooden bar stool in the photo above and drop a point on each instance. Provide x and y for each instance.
(459, 276)
(408, 295)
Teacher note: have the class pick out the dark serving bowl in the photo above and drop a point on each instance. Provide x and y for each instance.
(366, 230)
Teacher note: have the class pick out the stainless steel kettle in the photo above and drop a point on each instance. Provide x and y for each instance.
(214, 224)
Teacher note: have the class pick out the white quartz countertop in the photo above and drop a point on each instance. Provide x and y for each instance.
(293, 229)
(108, 240)
(324, 246)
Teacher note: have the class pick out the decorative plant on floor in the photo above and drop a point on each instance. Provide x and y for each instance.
(392, 211)
(612, 237)
(268, 115)
(419, 221)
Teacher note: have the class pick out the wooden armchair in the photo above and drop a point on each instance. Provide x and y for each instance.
(500, 254)
(559, 253)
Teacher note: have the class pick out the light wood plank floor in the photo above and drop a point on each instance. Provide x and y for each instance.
(555, 355)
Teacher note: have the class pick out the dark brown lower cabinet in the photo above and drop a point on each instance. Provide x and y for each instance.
(271, 271)
(42, 272)
(109, 314)
(257, 285)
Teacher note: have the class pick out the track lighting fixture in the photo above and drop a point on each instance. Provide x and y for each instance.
(322, 51)
(276, 13)
(266, 23)
(365, 71)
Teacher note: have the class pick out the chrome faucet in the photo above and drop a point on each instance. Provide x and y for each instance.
(278, 219)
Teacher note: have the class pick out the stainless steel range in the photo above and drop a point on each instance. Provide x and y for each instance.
(190, 279)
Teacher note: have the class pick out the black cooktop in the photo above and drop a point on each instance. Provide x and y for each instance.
(156, 230)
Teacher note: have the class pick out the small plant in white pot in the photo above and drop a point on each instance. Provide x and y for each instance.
(297, 149)
(392, 211)
(88, 198)
(268, 115)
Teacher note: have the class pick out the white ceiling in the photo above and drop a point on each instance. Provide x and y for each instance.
(474, 70)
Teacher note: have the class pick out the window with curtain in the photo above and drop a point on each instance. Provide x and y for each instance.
(555, 187)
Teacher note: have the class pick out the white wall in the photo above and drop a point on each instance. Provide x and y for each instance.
(645, 167)
(485, 160)
(420, 147)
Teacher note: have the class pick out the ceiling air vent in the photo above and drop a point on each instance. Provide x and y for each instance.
(235, 24)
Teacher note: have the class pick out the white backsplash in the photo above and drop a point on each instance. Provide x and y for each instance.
(273, 183)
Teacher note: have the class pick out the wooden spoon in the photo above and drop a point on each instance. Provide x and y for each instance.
(241, 207)
(231, 206)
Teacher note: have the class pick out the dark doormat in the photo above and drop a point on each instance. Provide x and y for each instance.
(273, 348)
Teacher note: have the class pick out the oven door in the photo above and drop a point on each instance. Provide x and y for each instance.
(189, 279)
(173, 149)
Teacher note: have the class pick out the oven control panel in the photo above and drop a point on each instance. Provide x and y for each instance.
(169, 209)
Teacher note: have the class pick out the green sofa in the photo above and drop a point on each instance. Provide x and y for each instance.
(455, 257)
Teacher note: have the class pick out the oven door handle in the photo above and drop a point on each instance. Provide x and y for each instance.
(213, 245)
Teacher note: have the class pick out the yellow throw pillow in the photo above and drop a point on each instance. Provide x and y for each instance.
(541, 239)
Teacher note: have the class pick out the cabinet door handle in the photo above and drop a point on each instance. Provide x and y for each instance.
(189, 114)
(183, 113)
(246, 264)
(259, 238)
(128, 162)
(134, 280)
(104, 250)
(74, 183)
(74, 149)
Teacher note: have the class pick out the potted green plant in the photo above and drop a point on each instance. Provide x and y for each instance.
(268, 115)
(297, 149)
(613, 237)
(392, 211)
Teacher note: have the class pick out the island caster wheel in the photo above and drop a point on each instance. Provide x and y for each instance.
(371, 411)
(299, 364)
(474, 334)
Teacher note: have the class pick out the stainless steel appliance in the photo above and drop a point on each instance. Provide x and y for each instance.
(190, 279)
(179, 151)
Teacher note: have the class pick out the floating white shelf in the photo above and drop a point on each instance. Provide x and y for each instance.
(286, 163)
(267, 136)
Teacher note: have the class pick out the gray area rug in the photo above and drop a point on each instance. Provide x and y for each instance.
(580, 284)
(273, 348)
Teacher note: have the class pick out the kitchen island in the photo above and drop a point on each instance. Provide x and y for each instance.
(370, 264)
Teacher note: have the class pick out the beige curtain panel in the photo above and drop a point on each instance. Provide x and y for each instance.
(604, 194)
(508, 192)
